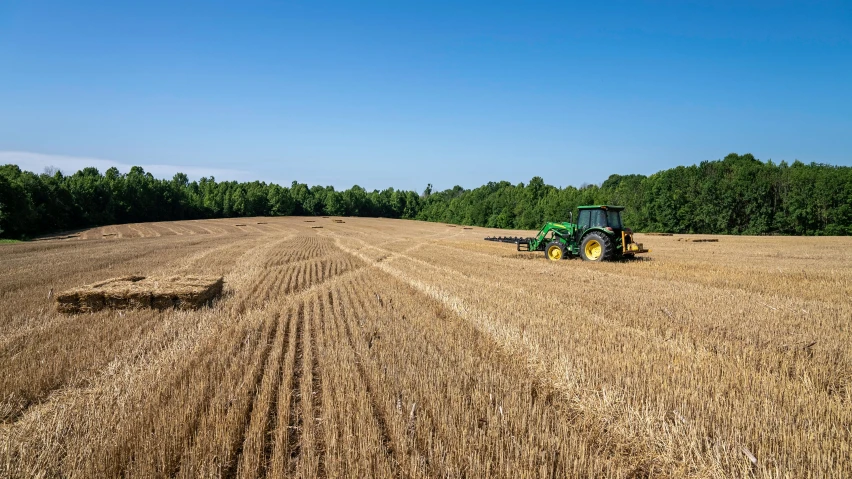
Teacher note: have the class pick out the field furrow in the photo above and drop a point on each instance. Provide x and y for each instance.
(294, 438)
(368, 395)
(277, 451)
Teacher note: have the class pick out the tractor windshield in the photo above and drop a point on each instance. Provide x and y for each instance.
(613, 219)
(598, 218)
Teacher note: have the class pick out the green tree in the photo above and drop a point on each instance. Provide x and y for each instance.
(280, 201)
(334, 204)
(736, 195)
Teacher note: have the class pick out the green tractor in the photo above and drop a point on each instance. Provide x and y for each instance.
(598, 235)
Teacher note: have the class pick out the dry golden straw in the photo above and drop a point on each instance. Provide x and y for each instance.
(137, 292)
(396, 348)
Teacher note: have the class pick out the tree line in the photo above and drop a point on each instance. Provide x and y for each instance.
(736, 195)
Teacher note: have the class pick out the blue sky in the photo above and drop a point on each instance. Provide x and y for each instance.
(408, 93)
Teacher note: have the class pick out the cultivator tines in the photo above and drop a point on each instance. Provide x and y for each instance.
(523, 243)
(508, 239)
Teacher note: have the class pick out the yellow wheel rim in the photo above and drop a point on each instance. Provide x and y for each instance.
(593, 250)
(554, 253)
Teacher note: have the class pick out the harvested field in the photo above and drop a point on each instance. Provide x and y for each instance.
(390, 348)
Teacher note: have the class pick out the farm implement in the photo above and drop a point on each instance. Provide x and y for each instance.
(598, 235)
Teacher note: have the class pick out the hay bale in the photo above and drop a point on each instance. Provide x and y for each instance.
(138, 292)
(239, 225)
(316, 227)
(659, 234)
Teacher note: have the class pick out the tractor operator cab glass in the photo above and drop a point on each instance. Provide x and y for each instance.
(583, 220)
(613, 219)
(598, 219)
(591, 219)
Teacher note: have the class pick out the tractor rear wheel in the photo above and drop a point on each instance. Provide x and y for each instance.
(596, 246)
(554, 251)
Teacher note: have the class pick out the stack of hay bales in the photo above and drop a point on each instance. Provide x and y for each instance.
(138, 292)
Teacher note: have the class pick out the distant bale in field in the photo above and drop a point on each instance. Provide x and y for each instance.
(138, 292)
(659, 234)
(57, 237)
(699, 240)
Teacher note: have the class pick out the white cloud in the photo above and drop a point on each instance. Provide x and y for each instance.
(68, 165)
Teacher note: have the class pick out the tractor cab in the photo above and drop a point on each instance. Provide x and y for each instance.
(601, 235)
(604, 217)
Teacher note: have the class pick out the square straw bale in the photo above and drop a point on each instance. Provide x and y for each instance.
(137, 292)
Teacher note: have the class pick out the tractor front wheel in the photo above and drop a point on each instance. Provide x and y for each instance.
(596, 246)
(554, 251)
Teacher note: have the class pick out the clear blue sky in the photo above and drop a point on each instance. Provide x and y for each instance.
(408, 93)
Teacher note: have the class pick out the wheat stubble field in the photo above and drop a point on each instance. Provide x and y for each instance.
(389, 348)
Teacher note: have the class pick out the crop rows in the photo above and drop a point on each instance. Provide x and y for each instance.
(381, 348)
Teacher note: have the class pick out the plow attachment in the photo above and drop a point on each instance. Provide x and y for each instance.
(517, 240)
